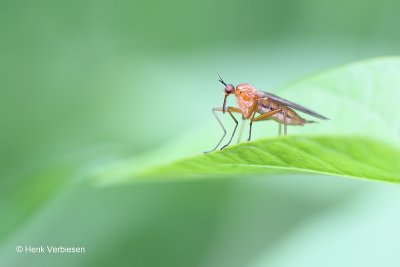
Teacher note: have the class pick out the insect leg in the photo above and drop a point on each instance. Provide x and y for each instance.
(241, 130)
(251, 125)
(262, 117)
(284, 122)
(280, 129)
(230, 109)
(220, 123)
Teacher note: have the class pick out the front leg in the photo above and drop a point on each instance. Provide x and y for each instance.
(230, 110)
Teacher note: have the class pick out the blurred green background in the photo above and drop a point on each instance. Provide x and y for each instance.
(87, 83)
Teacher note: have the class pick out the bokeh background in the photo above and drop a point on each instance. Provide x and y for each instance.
(87, 83)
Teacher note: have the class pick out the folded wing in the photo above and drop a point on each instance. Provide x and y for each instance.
(293, 105)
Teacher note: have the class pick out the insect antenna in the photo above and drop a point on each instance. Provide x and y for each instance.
(220, 79)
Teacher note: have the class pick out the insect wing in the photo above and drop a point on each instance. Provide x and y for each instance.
(292, 105)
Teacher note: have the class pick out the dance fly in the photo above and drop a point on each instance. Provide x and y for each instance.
(255, 105)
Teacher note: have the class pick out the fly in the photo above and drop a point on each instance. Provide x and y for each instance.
(255, 105)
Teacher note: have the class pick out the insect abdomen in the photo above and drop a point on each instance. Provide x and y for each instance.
(292, 118)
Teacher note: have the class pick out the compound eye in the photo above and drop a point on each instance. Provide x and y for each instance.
(229, 89)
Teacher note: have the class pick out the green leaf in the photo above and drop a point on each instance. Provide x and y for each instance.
(341, 156)
(359, 98)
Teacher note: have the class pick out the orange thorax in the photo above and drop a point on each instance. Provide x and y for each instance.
(247, 98)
